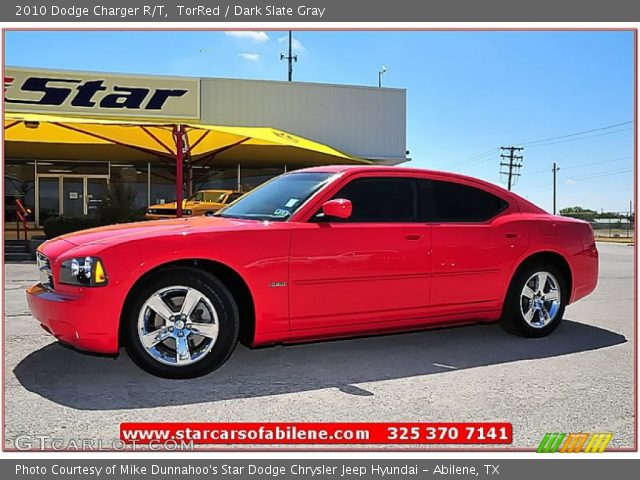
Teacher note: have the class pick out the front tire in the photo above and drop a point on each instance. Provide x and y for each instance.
(535, 301)
(182, 323)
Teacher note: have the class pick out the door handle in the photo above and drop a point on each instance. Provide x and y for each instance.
(413, 236)
(511, 235)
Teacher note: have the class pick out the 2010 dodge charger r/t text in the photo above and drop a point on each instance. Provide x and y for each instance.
(314, 254)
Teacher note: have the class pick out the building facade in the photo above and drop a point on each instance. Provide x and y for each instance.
(53, 179)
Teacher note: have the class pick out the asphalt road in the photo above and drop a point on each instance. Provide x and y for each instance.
(578, 379)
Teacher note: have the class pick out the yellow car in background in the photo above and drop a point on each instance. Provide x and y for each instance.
(203, 202)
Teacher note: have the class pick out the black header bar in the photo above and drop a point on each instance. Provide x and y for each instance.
(76, 11)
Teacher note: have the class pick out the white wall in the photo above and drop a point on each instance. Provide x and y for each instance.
(364, 121)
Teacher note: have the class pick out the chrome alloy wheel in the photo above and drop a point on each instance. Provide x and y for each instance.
(540, 299)
(178, 325)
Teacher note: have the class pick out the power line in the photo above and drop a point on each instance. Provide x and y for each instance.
(582, 165)
(550, 141)
(580, 138)
(478, 157)
(607, 127)
(537, 185)
(603, 174)
(584, 177)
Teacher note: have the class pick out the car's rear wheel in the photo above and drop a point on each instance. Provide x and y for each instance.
(181, 323)
(535, 302)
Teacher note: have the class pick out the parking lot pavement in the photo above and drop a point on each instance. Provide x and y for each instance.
(578, 379)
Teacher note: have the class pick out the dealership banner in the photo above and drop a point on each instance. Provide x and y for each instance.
(316, 433)
(318, 11)
(524, 469)
(58, 92)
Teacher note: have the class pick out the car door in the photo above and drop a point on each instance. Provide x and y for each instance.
(476, 239)
(372, 267)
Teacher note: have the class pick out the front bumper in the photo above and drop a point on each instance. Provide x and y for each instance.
(83, 320)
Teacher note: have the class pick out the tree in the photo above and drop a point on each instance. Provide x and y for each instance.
(118, 204)
(579, 212)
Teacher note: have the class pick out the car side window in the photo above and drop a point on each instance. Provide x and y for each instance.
(456, 202)
(381, 199)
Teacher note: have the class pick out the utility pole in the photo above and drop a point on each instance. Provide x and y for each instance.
(631, 219)
(555, 171)
(513, 165)
(291, 58)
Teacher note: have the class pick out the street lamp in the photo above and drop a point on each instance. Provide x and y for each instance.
(381, 72)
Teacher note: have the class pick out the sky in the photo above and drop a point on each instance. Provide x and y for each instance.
(468, 93)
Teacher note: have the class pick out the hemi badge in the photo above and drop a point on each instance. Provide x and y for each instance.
(277, 284)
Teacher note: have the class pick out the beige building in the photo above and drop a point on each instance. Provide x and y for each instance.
(53, 179)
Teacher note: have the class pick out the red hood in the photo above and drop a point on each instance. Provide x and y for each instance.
(135, 231)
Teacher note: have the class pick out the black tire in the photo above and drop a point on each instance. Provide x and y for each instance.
(513, 319)
(218, 296)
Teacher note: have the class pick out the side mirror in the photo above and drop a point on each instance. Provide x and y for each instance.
(338, 208)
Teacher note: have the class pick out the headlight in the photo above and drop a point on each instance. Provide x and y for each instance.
(187, 212)
(83, 271)
(151, 211)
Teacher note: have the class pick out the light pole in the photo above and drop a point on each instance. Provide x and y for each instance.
(290, 58)
(381, 72)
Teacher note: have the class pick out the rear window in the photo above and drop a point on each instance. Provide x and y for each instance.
(455, 202)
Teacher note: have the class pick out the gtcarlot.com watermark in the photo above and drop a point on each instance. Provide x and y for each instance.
(45, 442)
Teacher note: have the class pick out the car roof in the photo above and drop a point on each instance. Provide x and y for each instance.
(378, 168)
(393, 169)
(525, 205)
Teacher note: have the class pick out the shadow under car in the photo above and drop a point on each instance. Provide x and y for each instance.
(88, 382)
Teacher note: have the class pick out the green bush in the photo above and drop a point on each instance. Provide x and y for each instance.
(56, 226)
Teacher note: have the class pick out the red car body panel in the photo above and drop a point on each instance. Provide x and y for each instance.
(313, 280)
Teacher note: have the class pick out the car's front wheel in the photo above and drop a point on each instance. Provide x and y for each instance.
(181, 323)
(535, 302)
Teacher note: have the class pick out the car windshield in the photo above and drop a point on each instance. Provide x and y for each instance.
(214, 196)
(277, 199)
(211, 196)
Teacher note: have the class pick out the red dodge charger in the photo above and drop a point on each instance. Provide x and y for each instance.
(314, 254)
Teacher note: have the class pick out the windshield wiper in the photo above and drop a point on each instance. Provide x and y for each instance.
(247, 216)
(253, 216)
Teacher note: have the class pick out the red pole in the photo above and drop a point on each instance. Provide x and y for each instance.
(178, 131)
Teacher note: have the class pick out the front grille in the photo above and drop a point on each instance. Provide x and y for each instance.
(44, 269)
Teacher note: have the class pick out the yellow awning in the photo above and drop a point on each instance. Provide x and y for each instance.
(52, 137)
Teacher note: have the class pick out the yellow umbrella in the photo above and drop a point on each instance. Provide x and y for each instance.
(52, 137)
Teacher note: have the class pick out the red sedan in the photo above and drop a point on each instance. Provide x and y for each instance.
(314, 254)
